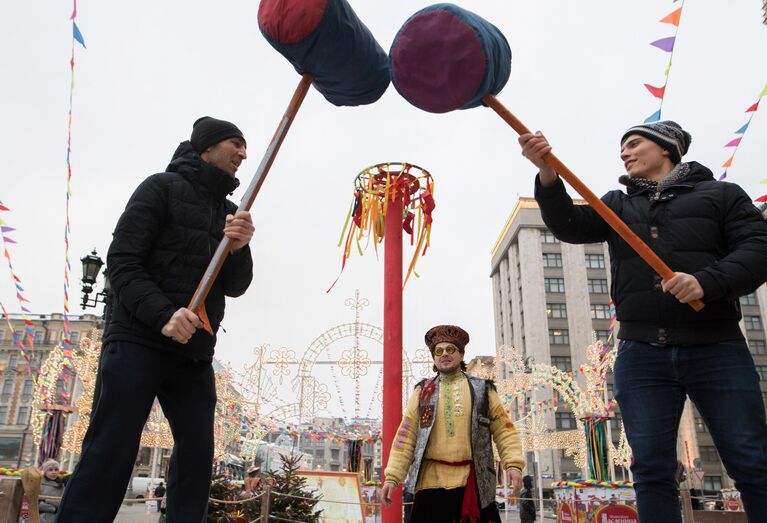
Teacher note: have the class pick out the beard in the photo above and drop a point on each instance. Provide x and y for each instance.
(449, 368)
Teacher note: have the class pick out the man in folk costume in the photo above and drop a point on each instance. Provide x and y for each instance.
(443, 445)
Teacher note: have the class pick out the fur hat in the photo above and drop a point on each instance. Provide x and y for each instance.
(449, 333)
(51, 464)
(667, 134)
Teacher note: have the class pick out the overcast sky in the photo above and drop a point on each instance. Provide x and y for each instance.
(151, 68)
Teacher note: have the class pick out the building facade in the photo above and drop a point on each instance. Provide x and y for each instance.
(551, 300)
(17, 448)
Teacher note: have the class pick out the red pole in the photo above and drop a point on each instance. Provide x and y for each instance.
(392, 347)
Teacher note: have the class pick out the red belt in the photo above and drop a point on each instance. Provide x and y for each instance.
(470, 508)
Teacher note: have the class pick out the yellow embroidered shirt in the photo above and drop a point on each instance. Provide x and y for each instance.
(450, 438)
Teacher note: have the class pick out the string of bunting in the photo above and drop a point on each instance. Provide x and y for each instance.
(29, 329)
(369, 436)
(735, 142)
(66, 335)
(665, 45)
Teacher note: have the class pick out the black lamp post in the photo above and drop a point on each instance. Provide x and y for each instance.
(92, 264)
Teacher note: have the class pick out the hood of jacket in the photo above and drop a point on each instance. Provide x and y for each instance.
(188, 163)
(527, 482)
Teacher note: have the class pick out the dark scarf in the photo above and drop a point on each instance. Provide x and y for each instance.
(655, 187)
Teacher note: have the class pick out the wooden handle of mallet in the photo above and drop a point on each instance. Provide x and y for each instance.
(197, 304)
(636, 243)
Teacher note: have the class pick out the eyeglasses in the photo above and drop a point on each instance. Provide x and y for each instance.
(439, 351)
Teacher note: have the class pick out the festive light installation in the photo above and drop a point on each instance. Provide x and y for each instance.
(585, 402)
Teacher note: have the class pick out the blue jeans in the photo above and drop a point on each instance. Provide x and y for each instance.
(651, 384)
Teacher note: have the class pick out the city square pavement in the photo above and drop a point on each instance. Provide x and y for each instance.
(138, 513)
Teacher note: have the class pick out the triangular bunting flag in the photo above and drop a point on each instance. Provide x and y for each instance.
(6, 229)
(735, 142)
(3, 207)
(761, 199)
(672, 18)
(728, 163)
(657, 92)
(743, 129)
(753, 108)
(77, 34)
(723, 176)
(764, 181)
(764, 92)
(6, 239)
(74, 12)
(666, 44)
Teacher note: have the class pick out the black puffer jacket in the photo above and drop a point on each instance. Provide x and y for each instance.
(700, 226)
(161, 247)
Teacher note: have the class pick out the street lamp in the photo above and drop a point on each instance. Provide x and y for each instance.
(92, 264)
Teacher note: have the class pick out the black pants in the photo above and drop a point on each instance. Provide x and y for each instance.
(130, 378)
(444, 506)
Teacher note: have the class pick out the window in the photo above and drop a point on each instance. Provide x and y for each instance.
(602, 335)
(38, 337)
(597, 285)
(547, 237)
(595, 261)
(23, 417)
(561, 337)
(552, 259)
(29, 386)
(565, 421)
(762, 370)
(2, 335)
(10, 448)
(615, 422)
(563, 363)
(712, 483)
(74, 337)
(3, 415)
(758, 346)
(600, 311)
(556, 310)
(334, 454)
(700, 426)
(13, 362)
(748, 299)
(554, 284)
(708, 453)
(8, 387)
(753, 323)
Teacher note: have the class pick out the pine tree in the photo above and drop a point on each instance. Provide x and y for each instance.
(287, 481)
(284, 481)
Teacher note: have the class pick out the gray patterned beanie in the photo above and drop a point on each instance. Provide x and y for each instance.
(667, 134)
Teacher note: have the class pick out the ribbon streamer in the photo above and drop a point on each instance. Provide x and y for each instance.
(66, 333)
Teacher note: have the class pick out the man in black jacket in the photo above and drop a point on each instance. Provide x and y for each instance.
(154, 346)
(711, 234)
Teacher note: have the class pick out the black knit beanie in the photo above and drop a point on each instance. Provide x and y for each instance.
(207, 131)
(667, 134)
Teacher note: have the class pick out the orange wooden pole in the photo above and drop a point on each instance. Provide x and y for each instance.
(612, 219)
(197, 303)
